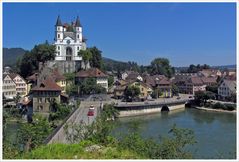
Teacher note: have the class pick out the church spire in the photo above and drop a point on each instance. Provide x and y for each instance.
(58, 21)
(78, 22)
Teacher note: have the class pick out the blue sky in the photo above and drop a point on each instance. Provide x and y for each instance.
(185, 33)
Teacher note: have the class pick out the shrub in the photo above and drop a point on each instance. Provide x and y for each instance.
(207, 104)
(218, 105)
(230, 107)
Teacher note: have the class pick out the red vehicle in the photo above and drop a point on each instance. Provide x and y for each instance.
(90, 113)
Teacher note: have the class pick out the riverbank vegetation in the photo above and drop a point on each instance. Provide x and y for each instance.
(30, 134)
(96, 142)
(202, 99)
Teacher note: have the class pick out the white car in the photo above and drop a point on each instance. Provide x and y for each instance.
(92, 107)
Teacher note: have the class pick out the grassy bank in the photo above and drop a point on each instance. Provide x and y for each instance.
(79, 151)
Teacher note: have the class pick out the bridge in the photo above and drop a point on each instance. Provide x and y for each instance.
(78, 116)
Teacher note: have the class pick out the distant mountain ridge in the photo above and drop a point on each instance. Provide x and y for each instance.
(10, 55)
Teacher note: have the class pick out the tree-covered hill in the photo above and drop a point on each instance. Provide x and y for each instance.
(10, 55)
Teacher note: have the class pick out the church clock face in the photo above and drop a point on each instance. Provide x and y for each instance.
(68, 41)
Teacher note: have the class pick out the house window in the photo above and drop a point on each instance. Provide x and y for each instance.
(78, 48)
(58, 47)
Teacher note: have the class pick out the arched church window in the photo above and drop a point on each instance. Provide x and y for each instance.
(58, 35)
(78, 36)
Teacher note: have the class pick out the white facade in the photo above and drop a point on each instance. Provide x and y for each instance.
(68, 42)
(227, 88)
(21, 86)
(102, 81)
(9, 87)
(124, 75)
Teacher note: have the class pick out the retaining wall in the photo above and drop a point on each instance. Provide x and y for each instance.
(135, 112)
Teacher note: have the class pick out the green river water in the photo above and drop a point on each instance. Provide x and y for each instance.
(215, 132)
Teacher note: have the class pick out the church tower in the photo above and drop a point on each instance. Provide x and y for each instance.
(69, 41)
(78, 30)
(58, 29)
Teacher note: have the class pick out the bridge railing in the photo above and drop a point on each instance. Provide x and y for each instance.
(49, 138)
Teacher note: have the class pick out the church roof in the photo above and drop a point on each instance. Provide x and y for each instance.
(93, 72)
(58, 21)
(69, 34)
(78, 22)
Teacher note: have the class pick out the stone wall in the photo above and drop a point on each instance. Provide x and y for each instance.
(149, 110)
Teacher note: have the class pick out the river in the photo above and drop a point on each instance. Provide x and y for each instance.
(215, 132)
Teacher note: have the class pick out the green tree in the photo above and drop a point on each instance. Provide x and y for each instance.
(161, 66)
(32, 135)
(213, 88)
(30, 60)
(194, 69)
(110, 81)
(72, 89)
(109, 111)
(17, 98)
(61, 112)
(89, 86)
(175, 89)
(202, 96)
(86, 56)
(96, 59)
(131, 92)
(70, 77)
(174, 147)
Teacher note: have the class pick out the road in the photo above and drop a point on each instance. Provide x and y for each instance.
(183, 97)
(82, 116)
(79, 116)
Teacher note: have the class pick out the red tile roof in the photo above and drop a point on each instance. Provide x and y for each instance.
(209, 79)
(196, 80)
(93, 72)
(47, 85)
(156, 79)
(12, 75)
(163, 81)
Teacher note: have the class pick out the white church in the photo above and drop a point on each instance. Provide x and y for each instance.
(69, 41)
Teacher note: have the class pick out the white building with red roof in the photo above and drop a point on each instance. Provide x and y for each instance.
(101, 78)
